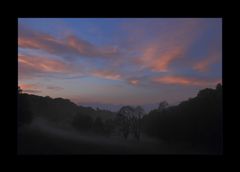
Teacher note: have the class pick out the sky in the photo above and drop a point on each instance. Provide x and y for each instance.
(129, 61)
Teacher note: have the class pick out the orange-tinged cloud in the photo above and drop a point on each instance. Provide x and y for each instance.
(134, 81)
(158, 58)
(30, 88)
(161, 52)
(106, 75)
(44, 64)
(80, 46)
(86, 48)
(204, 65)
(69, 45)
(184, 81)
(32, 43)
(162, 63)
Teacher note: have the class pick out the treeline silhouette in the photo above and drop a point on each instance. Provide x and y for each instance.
(63, 113)
(197, 121)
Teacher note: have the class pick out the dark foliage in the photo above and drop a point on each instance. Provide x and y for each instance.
(128, 121)
(197, 120)
(25, 115)
(59, 111)
(98, 126)
(109, 127)
(163, 105)
(83, 122)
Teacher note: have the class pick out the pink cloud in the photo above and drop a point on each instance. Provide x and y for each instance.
(204, 64)
(106, 74)
(30, 67)
(159, 60)
(70, 45)
(54, 88)
(42, 64)
(134, 81)
(30, 88)
(159, 53)
(179, 80)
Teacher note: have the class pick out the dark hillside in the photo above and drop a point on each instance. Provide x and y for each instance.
(197, 120)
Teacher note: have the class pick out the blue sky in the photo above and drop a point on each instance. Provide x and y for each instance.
(119, 61)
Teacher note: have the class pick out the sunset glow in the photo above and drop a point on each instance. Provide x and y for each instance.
(119, 61)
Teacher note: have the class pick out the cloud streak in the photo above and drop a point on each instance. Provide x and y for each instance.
(34, 66)
(43, 64)
(182, 80)
(158, 60)
(204, 64)
(30, 88)
(56, 88)
(168, 46)
(69, 46)
(106, 74)
(134, 82)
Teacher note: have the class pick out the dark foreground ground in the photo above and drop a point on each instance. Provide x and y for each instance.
(50, 140)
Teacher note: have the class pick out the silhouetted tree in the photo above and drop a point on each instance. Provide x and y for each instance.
(139, 112)
(129, 119)
(136, 121)
(219, 87)
(19, 90)
(162, 105)
(123, 118)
